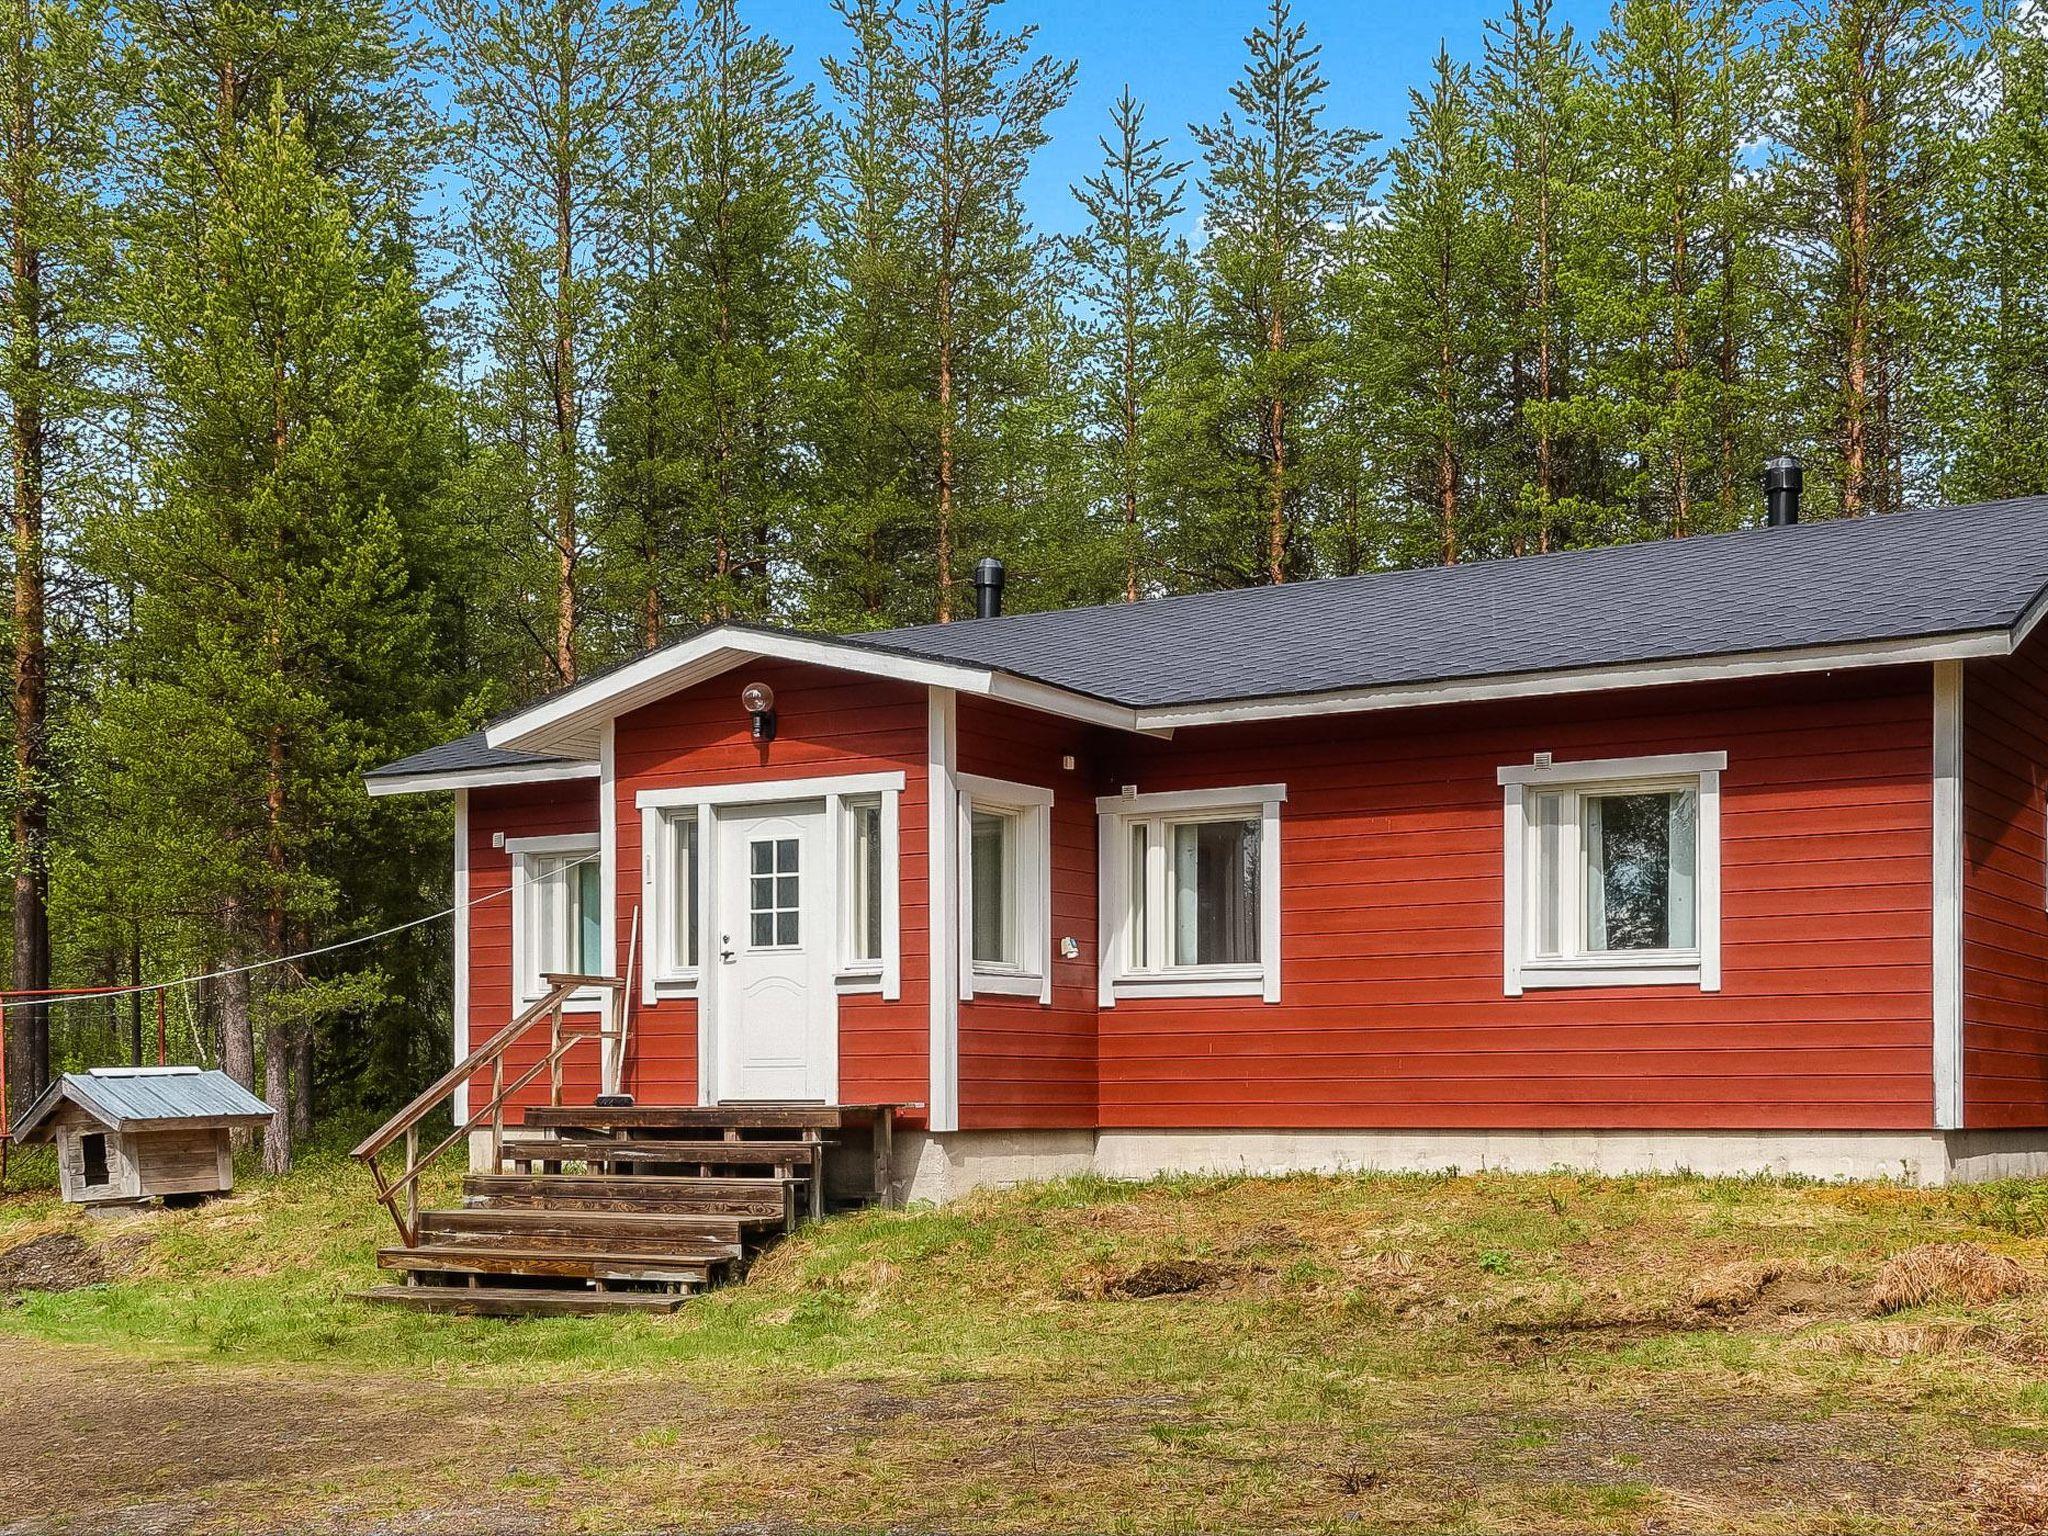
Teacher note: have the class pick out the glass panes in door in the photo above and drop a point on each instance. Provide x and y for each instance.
(773, 897)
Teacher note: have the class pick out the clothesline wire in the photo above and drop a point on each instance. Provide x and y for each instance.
(265, 964)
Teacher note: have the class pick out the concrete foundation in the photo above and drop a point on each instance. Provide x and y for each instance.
(945, 1167)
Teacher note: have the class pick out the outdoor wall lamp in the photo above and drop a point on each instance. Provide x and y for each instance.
(759, 701)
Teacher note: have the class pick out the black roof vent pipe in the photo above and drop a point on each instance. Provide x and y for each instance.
(1783, 481)
(988, 587)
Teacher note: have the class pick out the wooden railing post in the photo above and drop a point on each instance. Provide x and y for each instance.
(412, 1188)
(555, 1054)
(498, 1115)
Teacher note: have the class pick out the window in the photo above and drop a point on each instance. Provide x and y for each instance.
(1613, 872)
(1006, 852)
(864, 876)
(1191, 893)
(557, 910)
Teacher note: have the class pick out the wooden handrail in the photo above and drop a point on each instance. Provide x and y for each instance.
(491, 1054)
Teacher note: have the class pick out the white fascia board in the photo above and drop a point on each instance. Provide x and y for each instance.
(1994, 642)
(769, 791)
(575, 715)
(478, 778)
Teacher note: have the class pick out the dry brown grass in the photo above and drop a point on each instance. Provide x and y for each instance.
(1953, 1272)
(1732, 1288)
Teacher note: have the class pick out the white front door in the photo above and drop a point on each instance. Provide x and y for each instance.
(773, 1008)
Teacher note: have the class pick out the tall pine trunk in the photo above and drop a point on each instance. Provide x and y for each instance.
(28, 1041)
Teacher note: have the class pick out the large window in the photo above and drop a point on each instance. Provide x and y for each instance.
(1613, 872)
(558, 911)
(1191, 892)
(1005, 886)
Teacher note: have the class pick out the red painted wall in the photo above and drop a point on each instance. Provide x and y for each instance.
(827, 723)
(2005, 883)
(1392, 1011)
(526, 810)
(1025, 1064)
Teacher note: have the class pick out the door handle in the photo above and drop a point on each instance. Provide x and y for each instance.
(725, 948)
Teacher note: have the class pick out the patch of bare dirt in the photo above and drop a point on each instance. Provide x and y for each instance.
(1155, 1277)
(1953, 1272)
(56, 1261)
(1740, 1298)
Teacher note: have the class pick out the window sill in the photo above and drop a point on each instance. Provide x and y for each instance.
(1233, 983)
(581, 1002)
(851, 981)
(1595, 973)
(1007, 984)
(676, 984)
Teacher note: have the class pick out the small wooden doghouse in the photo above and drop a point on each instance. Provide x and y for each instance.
(126, 1134)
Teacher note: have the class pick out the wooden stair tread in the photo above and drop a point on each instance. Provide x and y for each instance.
(775, 1116)
(599, 1227)
(628, 1186)
(656, 1150)
(594, 1263)
(522, 1301)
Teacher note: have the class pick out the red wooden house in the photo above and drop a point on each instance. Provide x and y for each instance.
(1726, 853)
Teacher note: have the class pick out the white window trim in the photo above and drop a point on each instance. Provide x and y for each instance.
(522, 850)
(1523, 971)
(1114, 815)
(1031, 888)
(663, 975)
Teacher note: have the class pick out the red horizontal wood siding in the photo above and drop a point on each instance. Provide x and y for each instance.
(2005, 888)
(524, 810)
(828, 723)
(1392, 1011)
(1026, 1064)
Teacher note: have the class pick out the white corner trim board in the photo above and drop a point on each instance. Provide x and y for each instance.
(1948, 895)
(942, 871)
(459, 1005)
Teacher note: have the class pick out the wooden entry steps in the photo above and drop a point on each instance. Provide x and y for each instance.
(628, 1209)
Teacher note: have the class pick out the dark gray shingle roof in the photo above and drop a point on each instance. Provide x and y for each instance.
(1918, 574)
(466, 754)
(1910, 575)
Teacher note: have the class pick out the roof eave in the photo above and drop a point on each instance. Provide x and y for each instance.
(1955, 647)
(477, 778)
(572, 722)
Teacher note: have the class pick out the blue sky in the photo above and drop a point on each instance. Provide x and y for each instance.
(1180, 58)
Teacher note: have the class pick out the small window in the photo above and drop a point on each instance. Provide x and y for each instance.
(864, 881)
(1613, 874)
(683, 873)
(92, 1154)
(1006, 850)
(994, 900)
(558, 910)
(1191, 893)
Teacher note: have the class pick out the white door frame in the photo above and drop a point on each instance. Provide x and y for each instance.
(820, 916)
(709, 799)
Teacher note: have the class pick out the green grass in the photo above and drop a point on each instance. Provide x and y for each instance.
(1499, 1325)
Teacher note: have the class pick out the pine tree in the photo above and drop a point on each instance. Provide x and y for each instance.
(977, 98)
(1278, 182)
(706, 398)
(1994, 407)
(1440, 312)
(1668, 288)
(281, 635)
(1870, 128)
(548, 93)
(1541, 112)
(58, 102)
(1130, 264)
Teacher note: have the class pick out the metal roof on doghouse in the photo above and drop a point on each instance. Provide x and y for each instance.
(130, 1098)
